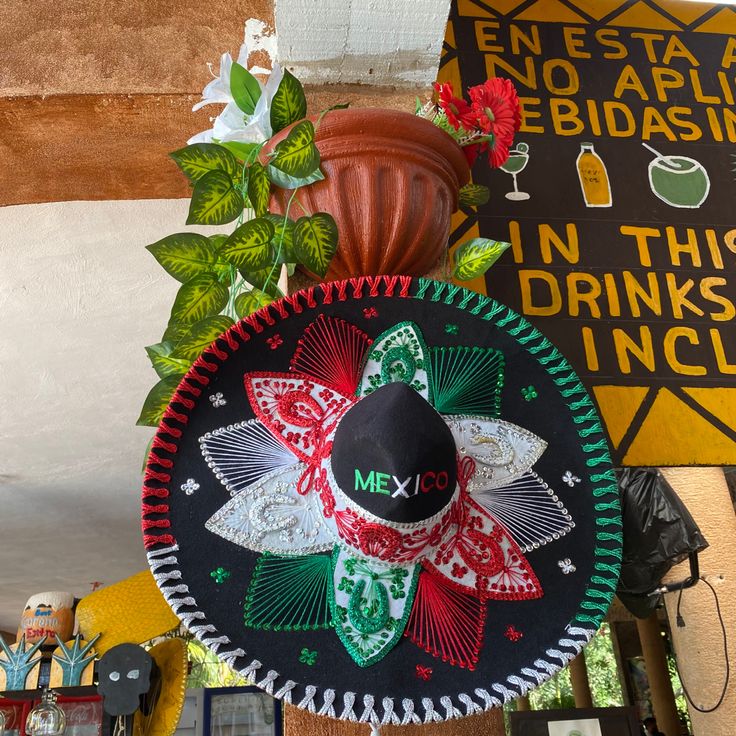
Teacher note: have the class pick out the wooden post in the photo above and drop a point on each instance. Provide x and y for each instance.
(580, 686)
(301, 723)
(658, 676)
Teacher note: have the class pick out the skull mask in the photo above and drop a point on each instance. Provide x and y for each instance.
(124, 676)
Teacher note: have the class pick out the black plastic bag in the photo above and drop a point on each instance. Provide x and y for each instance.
(659, 532)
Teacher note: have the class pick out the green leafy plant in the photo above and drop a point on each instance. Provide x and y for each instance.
(227, 276)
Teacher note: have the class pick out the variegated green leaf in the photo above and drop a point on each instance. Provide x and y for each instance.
(474, 257)
(259, 188)
(249, 247)
(297, 155)
(244, 87)
(185, 255)
(164, 363)
(215, 200)
(264, 279)
(200, 297)
(472, 195)
(289, 103)
(157, 400)
(251, 301)
(201, 158)
(174, 332)
(315, 241)
(200, 336)
(280, 179)
(283, 237)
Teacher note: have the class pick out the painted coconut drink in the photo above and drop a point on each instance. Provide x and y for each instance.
(679, 181)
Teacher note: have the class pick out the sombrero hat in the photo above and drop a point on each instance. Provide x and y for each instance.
(386, 500)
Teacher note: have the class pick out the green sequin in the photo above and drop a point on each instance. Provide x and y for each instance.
(371, 618)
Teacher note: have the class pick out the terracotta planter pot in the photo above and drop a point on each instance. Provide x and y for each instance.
(391, 183)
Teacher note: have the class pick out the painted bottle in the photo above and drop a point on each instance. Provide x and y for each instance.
(593, 177)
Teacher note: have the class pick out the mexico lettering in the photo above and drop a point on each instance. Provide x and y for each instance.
(390, 485)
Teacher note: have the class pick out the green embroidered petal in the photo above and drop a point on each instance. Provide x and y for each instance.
(289, 593)
(399, 354)
(370, 602)
(467, 380)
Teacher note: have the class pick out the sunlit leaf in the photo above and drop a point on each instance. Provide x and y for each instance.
(200, 297)
(249, 247)
(289, 103)
(251, 301)
(315, 241)
(200, 336)
(201, 158)
(474, 257)
(215, 200)
(157, 400)
(244, 87)
(280, 179)
(297, 155)
(259, 188)
(472, 195)
(163, 362)
(242, 151)
(185, 255)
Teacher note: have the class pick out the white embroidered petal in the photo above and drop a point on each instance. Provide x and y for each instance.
(528, 508)
(502, 451)
(399, 354)
(240, 454)
(272, 517)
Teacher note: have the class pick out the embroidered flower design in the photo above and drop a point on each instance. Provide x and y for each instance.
(423, 673)
(570, 479)
(308, 657)
(217, 400)
(458, 571)
(370, 312)
(512, 634)
(381, 580)
(220, 575)
(566, 566)
(275, 342)
(190, 486)
(451, 329)
(529, 393)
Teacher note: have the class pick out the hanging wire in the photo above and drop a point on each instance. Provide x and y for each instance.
(681, 623)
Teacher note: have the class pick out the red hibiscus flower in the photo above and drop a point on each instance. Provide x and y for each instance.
(456, 109)
(495, 107)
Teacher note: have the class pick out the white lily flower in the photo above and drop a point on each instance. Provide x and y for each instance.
(218, 90)
(232, 124)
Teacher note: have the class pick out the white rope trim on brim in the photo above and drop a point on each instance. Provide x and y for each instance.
(389, 712)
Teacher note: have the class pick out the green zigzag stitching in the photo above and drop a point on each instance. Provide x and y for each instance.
(604, 483)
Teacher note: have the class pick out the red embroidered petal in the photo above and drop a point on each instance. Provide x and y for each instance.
(483, 559)
(332, 351)
(445, 622)
(298, 410)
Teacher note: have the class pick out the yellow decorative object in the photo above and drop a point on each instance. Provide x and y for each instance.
(171, 658)
(131, 611)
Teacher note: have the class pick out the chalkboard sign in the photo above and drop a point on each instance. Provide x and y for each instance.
(619, 202)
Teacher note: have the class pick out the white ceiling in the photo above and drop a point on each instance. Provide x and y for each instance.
(80, 297)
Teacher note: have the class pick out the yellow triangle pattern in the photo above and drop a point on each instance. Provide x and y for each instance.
(674, 434)
(683, 10)
(598, 8)
(502, 7)
(617, 406)
(471, 10)
(720, 402)
(550, 11)
(642, 16)
(450, 36)
(722, 22)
